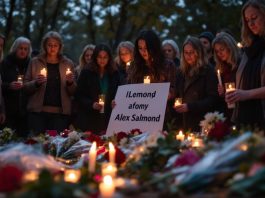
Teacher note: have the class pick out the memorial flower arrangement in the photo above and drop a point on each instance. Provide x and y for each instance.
(6, 136)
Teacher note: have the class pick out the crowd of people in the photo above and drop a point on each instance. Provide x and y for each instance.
(49, 92)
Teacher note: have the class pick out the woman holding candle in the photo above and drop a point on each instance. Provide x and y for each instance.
(250, 77)
(14, 65)
(100, 78)
(227, 57)
(196, 85)
(124, 58)
(50, 86)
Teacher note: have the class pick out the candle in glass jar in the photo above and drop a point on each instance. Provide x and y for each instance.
(112, 153)
(178, 101)
(147, 80)
(101, 101)
(72, 175)
(219, 77)
(20, 79)
(107, 187)
(92, 156)
(180, 136)
(68, 71)
(228, 88)
(43, 72)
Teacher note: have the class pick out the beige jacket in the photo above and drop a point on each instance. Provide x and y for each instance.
(36, 94)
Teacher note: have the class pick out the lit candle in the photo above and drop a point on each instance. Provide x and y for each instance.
(197, 143)
(109, 169)
(147, 80)
(107, 187)
(68, 71)
(112, 153)
(239, 45)
(228, 88)
(178, 101)
(43, 72)
(72, 175)
(190, 137)
(30, 176)
(180, 136)
(20, 79)
(101, 101)
(92, 157)
(219, 77)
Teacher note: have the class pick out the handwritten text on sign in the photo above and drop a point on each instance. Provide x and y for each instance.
(139, 106)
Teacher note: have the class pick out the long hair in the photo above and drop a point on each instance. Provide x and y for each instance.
(201, 60)
(156, 57)
(125, 44)
(246, 34)
(20, 40)
(93, 65)
(228, 42)
(51, 35)
(82, 61)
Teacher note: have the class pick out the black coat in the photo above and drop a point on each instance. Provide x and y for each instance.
(88, 90)
(200, 93)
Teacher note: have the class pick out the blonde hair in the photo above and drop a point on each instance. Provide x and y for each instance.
(227, 41)
(201, 61)
(125, 44)
(246, 34)
(51, 35)
(20, 40)
(82, 61)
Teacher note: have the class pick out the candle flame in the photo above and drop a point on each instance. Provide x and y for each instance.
(107, 180)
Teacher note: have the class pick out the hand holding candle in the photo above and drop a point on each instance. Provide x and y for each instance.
(43, 72)
(178, 101)
(101, 101)
(20, 79)
(68, 71)
(147, 80)
(92, 157)
(229, 87)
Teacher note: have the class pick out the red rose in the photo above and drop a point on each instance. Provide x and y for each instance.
(189, 157)
(88, 136)
(101, 149)
(119, 156)
(30, 141)
(52, 133)
(136, 132)
(219, 131)
(120, 136)
(10, 178)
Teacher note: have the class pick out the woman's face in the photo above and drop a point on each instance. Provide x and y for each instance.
(125, 55)
(102, 59)
(190, 55)
(143, 50)
(52, 47)
(254, 20)
(221, 52)
(169, 51)
(22, 51)
(88, 55)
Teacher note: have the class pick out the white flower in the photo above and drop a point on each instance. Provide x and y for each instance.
(210, 119)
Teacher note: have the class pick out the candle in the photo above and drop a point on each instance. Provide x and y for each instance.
(180, 136)
(101, 101)
(68, 71)
(228, 88)
(197, 143)
(43, 72)
(107, 187)
(191, 137)
(92, 157)
(109, 169)
(219, 77)
(30, 176)
(178, 101)
(20, 79)
(112, 153)
(72, 175)
(147, 80)
(239, 45)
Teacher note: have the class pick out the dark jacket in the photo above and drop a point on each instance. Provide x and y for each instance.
(15, 100)
(199, 92)
(88, 90)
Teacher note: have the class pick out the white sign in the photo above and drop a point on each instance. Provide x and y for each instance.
(140, 106)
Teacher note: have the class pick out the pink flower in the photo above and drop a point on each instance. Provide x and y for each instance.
(52, 133)
(10, 178)
(120, 136)
(219, 131)
(189, 157)
(119, 156)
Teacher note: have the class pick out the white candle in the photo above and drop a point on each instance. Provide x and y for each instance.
(68, 71)
(20, 79)
(239, 45)
(109, 169)
(228, 88)
(92, 157)
(107, 187)
(219, 77)
(43, 72)
(112, 153)
(72, 175)
(147, 80)
(197, 143)
(101, 101)
(180, 136)
(178, 101)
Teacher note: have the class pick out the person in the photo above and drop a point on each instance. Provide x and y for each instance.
(150, 61)
(13, 69)
(171, 51)
(2, 44)
(101, 77)
(50, 82)
(84, 58)
(227, 58)
(249, 95)
(125, 52)
(206, 39)
(196, 85)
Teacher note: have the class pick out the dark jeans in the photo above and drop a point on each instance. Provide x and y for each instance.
(40, 122)
(18, 123)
